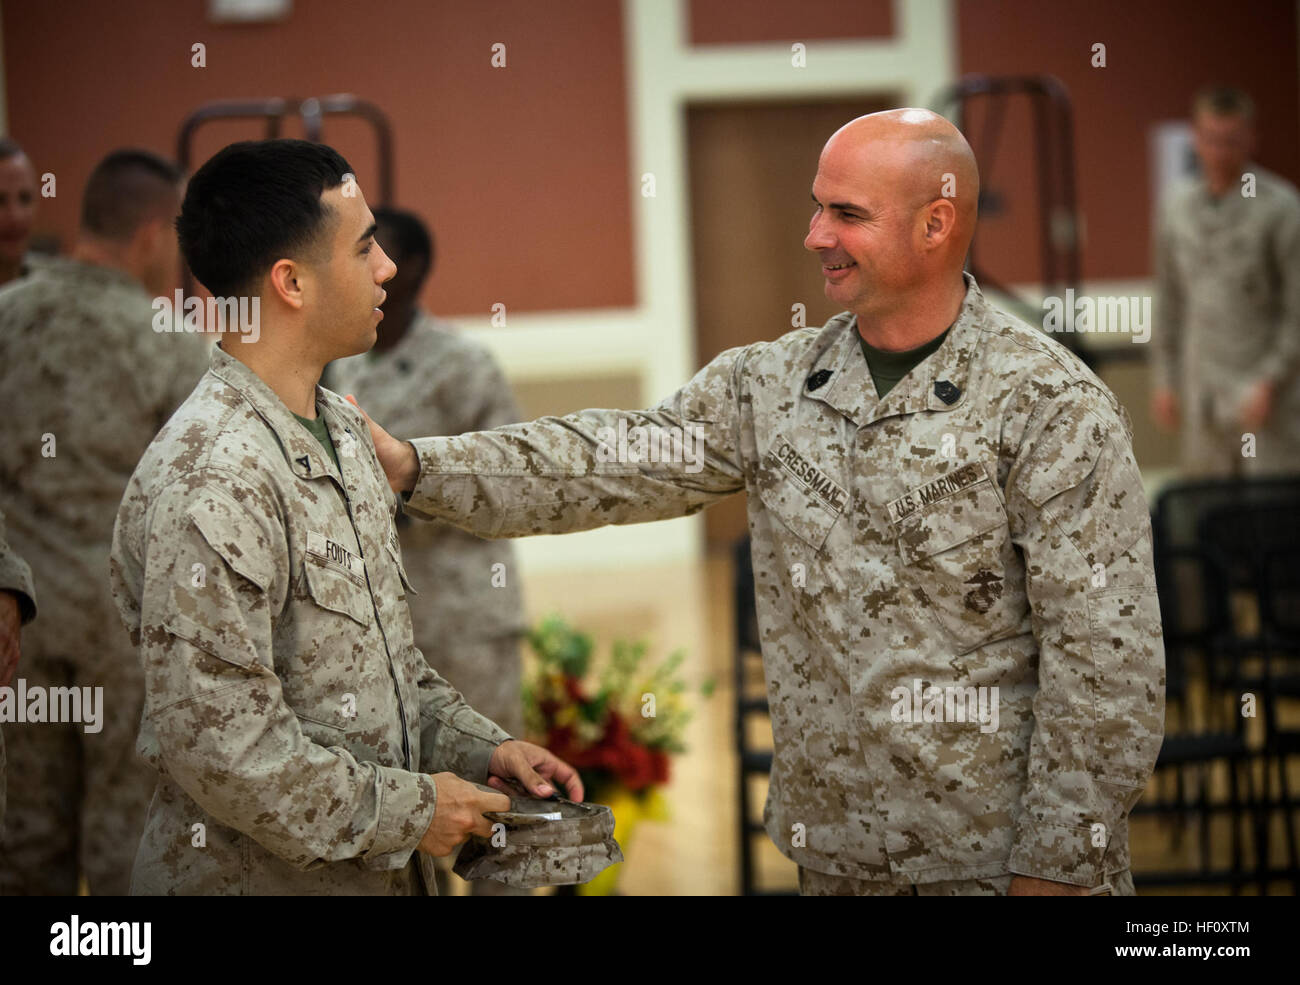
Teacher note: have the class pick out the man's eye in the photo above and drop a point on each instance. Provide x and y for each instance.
(366, 250)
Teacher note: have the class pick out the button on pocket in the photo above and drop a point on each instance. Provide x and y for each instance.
(962, 566)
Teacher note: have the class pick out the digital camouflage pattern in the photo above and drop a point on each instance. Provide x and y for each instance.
(437, 381)
(287, 708)
(1227, 315)
(575, 847)
(91, 384)
(16, 577)
(983, 525)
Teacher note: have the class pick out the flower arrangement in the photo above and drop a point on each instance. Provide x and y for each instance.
(618, 726)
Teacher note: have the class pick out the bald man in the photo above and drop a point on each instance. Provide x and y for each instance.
(951, 548)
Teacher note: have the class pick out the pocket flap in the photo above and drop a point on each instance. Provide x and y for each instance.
(951, 521)
(332, 589)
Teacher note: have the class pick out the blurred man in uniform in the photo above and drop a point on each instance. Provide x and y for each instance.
(1226, 359)
(945, 513)
(17, 606)
(423, 377)
(290, 717)
(17, 210)
(88, 383)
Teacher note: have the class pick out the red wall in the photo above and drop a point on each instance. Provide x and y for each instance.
(1157, 56)
(523, 171)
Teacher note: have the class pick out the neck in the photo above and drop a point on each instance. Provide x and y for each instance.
(10, 269)
(102, 253)
(290, 375)
(1218, 187)
(914, 319)
(394, 328)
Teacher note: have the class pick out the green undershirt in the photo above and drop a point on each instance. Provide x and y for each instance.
(322, 433)
(887, 368)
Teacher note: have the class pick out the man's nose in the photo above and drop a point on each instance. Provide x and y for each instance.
(818, 238)
(387, 269)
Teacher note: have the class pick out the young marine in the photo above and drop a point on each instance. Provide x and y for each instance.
(303, 745)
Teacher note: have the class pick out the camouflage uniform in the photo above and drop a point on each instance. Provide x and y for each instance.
(88, 383)
(983, 525)
(287, 709)
(1228, 316)
(436, 381)
(16, 577)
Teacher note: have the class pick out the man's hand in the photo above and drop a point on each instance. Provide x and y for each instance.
(11, 620)
(400, 463)
(1257, 408)
(533, 767)
(459, 814)
(1029, 886)
(1164, 409)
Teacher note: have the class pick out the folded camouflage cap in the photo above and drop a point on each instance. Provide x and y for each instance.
(538, 842)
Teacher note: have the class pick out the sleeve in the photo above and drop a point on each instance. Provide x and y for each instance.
(453, 736)
(593, 468)
(1168, 315)
(492, 403)
(214, 566)
(1284, 245)
(1078, 512)
(16, 577)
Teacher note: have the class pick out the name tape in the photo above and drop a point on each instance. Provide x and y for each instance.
(936, 490)
(334, 553)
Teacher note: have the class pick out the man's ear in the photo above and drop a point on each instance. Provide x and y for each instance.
(286, 282)
(940, 219)
(144, 243)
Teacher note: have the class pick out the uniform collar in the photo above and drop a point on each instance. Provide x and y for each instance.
(305, 455)
(938, 383)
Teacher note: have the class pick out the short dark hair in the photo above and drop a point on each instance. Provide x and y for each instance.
(125, 190)
(1221, 100)
(10, 148)
(411, 237)
(253, 203)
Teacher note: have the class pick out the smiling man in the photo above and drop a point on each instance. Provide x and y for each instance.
(956, 513)
(303, 744)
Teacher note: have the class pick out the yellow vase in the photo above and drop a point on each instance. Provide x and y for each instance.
(630, 809)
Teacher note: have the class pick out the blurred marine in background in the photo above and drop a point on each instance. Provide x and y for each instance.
(1226, 357)
(423, 377)
(89, 384)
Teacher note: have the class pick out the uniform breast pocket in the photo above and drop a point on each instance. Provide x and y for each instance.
(962, 567)
(338, 591)
(805, 500)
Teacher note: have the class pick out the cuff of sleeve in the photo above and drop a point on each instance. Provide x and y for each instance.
(406, 804)
(477, 753)
(1058, 852)
(418, 500)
